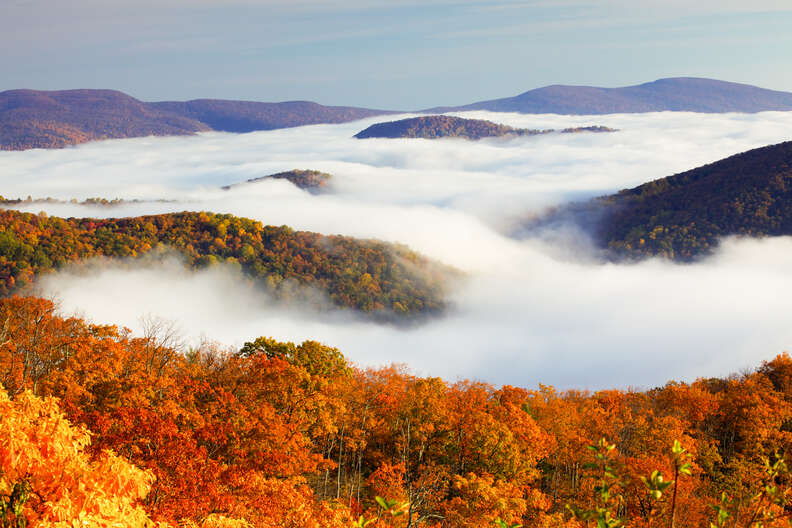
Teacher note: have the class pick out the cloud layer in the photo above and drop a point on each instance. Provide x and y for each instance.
(531, 311)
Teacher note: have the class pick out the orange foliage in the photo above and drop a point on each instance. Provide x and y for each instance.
(290, 435)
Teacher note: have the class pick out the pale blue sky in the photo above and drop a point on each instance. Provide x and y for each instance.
(401, 54)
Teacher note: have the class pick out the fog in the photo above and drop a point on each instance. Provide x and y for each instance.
(530, 311)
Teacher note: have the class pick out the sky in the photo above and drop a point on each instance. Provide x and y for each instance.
(394, 54)
(536, 308)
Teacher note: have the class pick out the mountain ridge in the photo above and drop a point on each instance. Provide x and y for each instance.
(61, 118)
(679, 94)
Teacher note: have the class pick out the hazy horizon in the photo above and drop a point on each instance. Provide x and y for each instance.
(398, 54)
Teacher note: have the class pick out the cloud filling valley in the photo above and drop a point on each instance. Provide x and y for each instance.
(530, 311)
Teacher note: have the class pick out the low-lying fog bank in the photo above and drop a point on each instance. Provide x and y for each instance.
(528, 319)
(533, 311)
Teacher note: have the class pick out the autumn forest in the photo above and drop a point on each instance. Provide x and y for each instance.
(121, 430)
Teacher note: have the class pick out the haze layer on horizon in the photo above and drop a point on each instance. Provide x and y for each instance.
(400, 54)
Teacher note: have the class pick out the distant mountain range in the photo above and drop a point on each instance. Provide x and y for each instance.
(43, 119)
(680, 94)
(440, 126)
(37, 119)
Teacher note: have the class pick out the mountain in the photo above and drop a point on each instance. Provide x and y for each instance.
(38, 119)
(439, 126)
(247, 116)
(684, 215)
(310, 180)
(56, 119)
(33, 119)
(688, 94)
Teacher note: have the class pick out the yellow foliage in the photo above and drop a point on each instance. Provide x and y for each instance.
(482, 499)
(215, 521)
(42, 453)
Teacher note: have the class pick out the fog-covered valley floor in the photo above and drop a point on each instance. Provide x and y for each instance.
(534, 310)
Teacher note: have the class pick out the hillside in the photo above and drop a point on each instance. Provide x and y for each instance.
(56, 119)
(441, 126)
(248, 116)
(33, 119)
(371, 276)
(295, 435)
(310, 180)
(684, 215)
(688, 94)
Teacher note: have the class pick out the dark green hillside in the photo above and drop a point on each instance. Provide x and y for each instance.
(682, 216)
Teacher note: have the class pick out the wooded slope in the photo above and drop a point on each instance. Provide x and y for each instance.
(381, 279)
(684, 215)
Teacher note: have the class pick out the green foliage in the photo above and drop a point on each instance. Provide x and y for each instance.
(13, 505)
(500, 523)
(656, 484)
(387, 507)
(772, 492)
(317, 359)
(606, 499)
(721, 511)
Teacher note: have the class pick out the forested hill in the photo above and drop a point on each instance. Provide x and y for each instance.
(440, 126)
(310, 180)
(55, 119)
(684, 215)
(381, 279)
(687, 94)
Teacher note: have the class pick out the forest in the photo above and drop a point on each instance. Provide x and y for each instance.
(102, 428)
(309, 180)
(683, 216)
(439, 126)
(382, 280)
